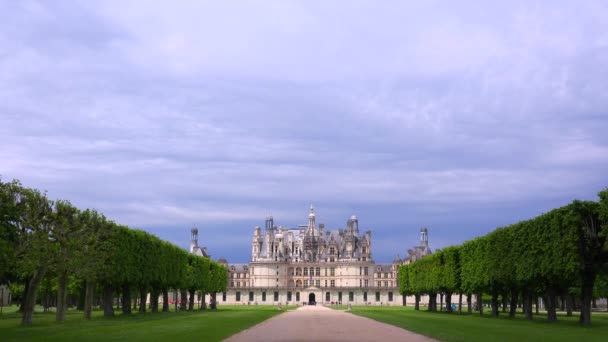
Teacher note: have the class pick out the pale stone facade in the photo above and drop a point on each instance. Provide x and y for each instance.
(308, 264)
(4, 295)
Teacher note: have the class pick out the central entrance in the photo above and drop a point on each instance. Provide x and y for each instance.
(311, 299)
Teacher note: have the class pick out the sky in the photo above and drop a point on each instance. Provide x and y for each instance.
(459, 116)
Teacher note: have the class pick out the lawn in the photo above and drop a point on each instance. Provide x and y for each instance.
(454, 327)
(182, 326)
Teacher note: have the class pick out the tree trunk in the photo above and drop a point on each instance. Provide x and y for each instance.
(143, 296)
(126, 299)
(24, 297)
(536, 303)
(82, 294)
(586, 297)
(448, 301)
(460, 303)
(513, 306)
(154, 300)
(469, 303)
(569, 305)
(30, 296)
(417, 304)
(89, 297)
(528, 305)
(432, 302)
(108, 300)
(440, 302)
(191, 300)
(165, 300)
(480, 303)
(550, 305)
(562, 303)
(213, 298)
(62, 296)
(184, 298)
(494, 304)
(505, 300)
(403, 300)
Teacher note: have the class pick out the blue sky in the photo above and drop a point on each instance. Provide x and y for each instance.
(462, 117)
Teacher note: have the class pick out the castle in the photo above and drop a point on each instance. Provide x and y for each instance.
(307, 264)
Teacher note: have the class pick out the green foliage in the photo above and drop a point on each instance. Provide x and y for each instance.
(559, 252)
(38, 235)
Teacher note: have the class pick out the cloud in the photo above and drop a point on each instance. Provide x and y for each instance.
(461, 116)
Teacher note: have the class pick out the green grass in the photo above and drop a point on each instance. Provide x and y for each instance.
(182, 326)
(470, 328)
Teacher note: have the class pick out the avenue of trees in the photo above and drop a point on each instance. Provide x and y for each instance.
(560, 256)
(51, 252)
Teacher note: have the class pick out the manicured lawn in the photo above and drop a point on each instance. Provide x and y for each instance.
(181, 326)
(454, 327)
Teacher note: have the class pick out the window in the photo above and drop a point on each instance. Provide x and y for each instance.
(377, 296)
(332, 271)
(365, 296)
(385, 275)
(276, 296)
(223, 296)
(318, 282)
(379, 283)
(327, 298)
(364, 250)
(386, 284)
(305, 282)
(332, 250)
(298, 271)
(366, 283)
(289, 296)
(251, 296)
(231, 284)
(325, 282)
(305, 271)
(360, 270)
(351, 296)
(332, 283)
(390, 296)
(264, 296)
(339, 296)
(366, 271)
(326, 271)
(238, 276)
(332, 259)
(297, 296)
(238, 296)
(238, 284)
(364, 259)
(318, 271)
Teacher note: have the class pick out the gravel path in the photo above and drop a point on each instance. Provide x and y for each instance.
(318, 323)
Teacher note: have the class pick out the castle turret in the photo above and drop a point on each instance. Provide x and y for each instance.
(193, 239)
(424, 237)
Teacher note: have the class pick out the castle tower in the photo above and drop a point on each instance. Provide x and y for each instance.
(269, 226)
(424, 237)
(193, 239)
(311, 221)
(256, 244)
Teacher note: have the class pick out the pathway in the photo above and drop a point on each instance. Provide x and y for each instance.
(318, 323)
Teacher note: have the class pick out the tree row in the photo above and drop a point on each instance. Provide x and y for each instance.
(560, 254)
(45, 239)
